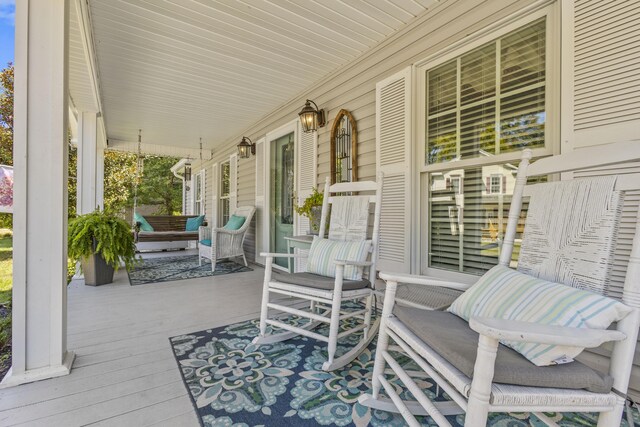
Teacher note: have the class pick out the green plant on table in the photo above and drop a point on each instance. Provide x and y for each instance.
(309, 208)
(104, 234)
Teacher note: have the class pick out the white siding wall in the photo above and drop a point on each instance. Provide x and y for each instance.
(601, 61)
(354, 88)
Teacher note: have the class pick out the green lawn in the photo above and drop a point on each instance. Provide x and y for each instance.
(6, 264)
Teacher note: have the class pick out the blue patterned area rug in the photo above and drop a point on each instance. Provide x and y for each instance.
(165, 269)
(232, 382)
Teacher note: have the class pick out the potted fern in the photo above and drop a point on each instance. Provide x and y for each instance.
(102, 242)
(312, 209)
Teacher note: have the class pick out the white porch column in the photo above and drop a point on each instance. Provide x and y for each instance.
(87, 161)
(40, 193)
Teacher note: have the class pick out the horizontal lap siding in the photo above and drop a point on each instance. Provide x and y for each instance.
(247, 197)
(353, 88)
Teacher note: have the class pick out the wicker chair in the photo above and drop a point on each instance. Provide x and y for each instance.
(582, 257)
(221, 243)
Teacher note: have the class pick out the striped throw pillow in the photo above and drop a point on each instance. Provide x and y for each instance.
(504, 293)
(324, 252)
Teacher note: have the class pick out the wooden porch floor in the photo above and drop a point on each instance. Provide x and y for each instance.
(125, 373)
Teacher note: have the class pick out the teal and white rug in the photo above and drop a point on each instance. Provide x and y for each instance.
(165, 269)
(232, 382)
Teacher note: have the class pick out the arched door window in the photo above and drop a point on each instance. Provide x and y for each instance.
(344, 148)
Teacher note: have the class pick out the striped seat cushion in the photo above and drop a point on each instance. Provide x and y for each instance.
(323, 254)
(504, 293)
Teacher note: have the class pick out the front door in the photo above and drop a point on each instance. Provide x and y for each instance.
(281, 194)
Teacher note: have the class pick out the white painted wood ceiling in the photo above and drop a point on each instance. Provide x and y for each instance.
(185, 69)
(80, 87)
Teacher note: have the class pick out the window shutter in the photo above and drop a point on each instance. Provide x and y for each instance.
(233, 183)
(393, 158)
(306, 181)
(605, 63)
(488, 184)
(260, 214)
(504, 184)
(214, 196)
(605, 104)
(204, 192)
(306, 174)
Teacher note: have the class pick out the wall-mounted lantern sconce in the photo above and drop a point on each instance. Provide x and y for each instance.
(310, 117)
(246, 148)
(187, 172)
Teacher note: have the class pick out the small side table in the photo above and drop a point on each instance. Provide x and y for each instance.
(300, 242)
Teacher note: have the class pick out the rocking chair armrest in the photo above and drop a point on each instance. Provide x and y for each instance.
(513, 330)
(415, 279)
(276, 255)
(344, 262)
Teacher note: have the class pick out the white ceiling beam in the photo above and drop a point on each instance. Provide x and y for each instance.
(158, 150)
(86, 32)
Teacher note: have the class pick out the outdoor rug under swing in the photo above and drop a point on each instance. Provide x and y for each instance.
(232, 382)
(165, 269)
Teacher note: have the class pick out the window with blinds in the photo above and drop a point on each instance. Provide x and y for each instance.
(486, 102)
(225, 186)
(490, 100)
(198, 198)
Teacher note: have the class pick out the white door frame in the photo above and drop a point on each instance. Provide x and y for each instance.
(283, 130)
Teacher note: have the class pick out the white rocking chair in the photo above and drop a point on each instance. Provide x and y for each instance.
(325, 295)
(220, 243)
(478, 391)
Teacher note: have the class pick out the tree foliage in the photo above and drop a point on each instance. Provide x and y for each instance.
(6, 129)
(159, 186)
(6, 116)
(72, 183)
(119, 180)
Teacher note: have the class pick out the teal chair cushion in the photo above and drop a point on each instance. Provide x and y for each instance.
(194, 223)
(206, 242)
(144, 225)
(235, 222)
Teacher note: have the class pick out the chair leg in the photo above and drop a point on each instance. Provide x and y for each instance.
(244, 258)
(213, 264)
(334, 325)
(383, 339)
(478, 406)
(612, 418)
(367, 315)
(199, 260)
(264, 309)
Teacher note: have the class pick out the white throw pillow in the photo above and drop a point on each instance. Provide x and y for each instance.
(504, 293)
(323, 254)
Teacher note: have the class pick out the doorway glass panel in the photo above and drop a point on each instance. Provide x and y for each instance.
(281, 195)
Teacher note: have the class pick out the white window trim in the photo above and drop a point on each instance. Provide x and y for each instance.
(221, 195)
(499, 176)
(512, 23)
(198, 177)
(552, 107)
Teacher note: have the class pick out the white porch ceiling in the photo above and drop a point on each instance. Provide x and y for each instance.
(185, 69)
(80, 86)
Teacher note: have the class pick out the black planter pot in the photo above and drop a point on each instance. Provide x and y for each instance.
(96, 271)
